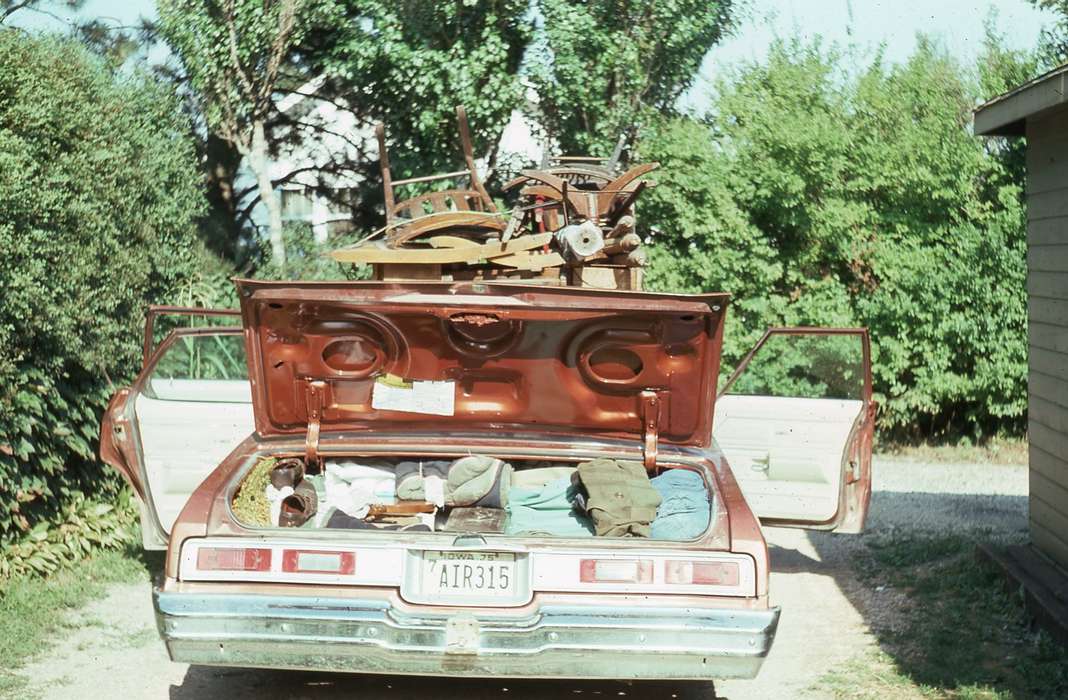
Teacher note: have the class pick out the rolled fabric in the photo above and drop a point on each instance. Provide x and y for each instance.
(478, 480)
(410, 478)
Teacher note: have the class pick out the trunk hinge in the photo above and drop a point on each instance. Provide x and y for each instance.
(650, 411)
(315, 398)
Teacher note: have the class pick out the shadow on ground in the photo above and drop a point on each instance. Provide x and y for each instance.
(241, 684)
(941, 617)
(905, 530)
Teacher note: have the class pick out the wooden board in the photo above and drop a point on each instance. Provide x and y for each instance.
(378, 253)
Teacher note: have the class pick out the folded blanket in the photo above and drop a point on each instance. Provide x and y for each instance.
(685, 510)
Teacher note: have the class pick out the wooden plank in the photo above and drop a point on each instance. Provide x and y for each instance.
(1050, 516)
(1048, 337)
(1049, 441)
(1048, 231)
(1050, 544)
(396, 273)
(1048, 258)
(1047, 164)
(1048, 413)
(1049, 466)
(1049, 363)
(440, 256)
(1048, 285)
(530, 260)
(1049, 388)
(451, 242)
(1047, 205)
(1046, 130)
(1051, 311)
(1048, 504)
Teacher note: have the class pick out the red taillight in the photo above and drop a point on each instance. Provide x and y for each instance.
(233, 559)
(615, 571)
(705, 573)
(306, 561)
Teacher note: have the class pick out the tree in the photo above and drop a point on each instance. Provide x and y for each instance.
(1055, 38)
(410, 64)
(232, 52)
(602, 67)
(99, 192)
(823, 194)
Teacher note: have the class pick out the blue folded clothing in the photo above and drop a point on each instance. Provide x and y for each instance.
(546, 510)
(685, 509)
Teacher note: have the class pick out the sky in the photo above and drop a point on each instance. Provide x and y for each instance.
(895, 23)
(958, 24)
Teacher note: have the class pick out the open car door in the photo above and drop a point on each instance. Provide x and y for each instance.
(188, 408)
(795, 422)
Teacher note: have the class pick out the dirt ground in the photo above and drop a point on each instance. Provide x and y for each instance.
(113, 649)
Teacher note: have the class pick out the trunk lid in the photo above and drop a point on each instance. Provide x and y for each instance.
(473, 356)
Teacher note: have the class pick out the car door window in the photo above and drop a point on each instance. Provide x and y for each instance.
(788, 422)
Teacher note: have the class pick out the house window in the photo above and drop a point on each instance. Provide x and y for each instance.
(296, 205)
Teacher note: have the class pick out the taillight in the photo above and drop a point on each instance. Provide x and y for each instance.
(616, 571)
(705, 573)
(302, 561)
(233, 559)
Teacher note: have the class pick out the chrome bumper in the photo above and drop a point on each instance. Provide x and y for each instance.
(337, 634)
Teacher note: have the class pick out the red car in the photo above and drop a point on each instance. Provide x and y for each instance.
(590, 581)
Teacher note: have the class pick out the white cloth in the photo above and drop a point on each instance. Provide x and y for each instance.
(352, 487)
(275, 498)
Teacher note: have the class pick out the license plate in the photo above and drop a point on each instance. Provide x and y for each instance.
(469, 574)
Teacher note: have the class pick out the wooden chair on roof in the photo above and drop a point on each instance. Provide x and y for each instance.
(468, 212)
(604, 204)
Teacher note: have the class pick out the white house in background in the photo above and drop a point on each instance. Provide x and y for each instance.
(333, 133)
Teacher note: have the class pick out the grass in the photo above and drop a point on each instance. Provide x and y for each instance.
(35, 611)
(993, 451)
(960, 636)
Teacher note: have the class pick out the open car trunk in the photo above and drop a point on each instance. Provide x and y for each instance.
(320, 364)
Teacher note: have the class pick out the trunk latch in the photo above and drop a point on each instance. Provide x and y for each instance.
(315, 398)
(650, 410)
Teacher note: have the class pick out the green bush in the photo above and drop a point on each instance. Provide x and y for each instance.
(820, 192)
(98, 196)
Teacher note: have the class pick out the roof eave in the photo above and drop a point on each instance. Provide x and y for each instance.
(1007, 115)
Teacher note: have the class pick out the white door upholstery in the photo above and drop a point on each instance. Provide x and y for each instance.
(786, 453)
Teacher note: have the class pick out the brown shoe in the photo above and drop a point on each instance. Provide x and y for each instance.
(288, 472)
(299, 507)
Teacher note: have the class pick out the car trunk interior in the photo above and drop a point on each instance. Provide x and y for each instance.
(477, 495)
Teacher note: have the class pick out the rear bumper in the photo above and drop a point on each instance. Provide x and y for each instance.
(339, 634)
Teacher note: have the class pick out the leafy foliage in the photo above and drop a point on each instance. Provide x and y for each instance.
(1055, 38)
(98, 190)
(82, 526)
(602, 68)
(820, 196)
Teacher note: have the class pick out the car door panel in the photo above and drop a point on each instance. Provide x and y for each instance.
(182, 441)
(187, 409)
(801, 460)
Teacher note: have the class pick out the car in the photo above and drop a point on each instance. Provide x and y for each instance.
(321, 374)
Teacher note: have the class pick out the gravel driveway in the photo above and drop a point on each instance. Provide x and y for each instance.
(113, 649)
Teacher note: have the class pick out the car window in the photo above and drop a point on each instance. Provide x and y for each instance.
(811, 365)
(202, 367)
(163, 323)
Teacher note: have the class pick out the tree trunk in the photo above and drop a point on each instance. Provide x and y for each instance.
(257, 160)
(221, 162)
